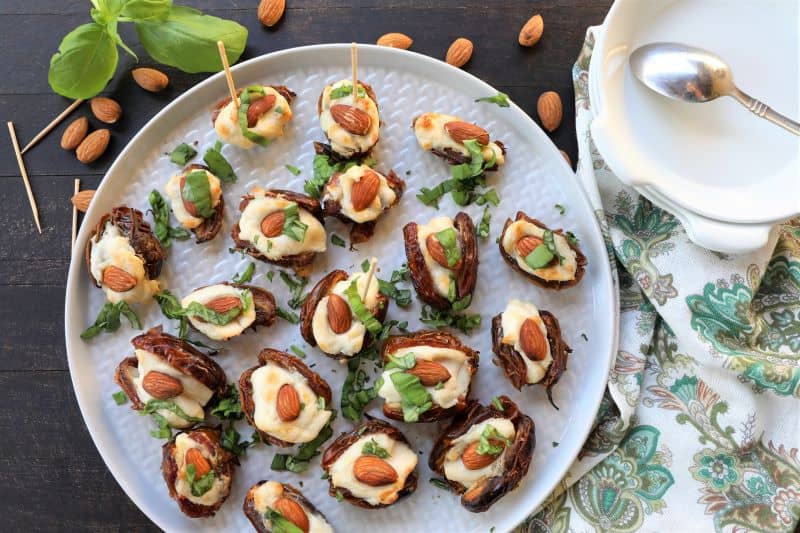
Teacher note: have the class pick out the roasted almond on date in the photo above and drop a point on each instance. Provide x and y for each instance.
(223, 304)
(201, 464)
(374, 471)
(475, 461)
(287, 404)
(117, 279)
(436, 250)
(293, 512)
(272, 224)
(352, 119)
(338, 314)
(105, 109)
(429, 372)
(365, 190)
(161, 386)
(258, 108)
(462, 131)
(93, 146)
(532, 340)
(75, 133)
(526, 245)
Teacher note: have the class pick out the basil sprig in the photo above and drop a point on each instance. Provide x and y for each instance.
(199, 486)
(108, 319)
(164, 232)
(360, 310)
(218, 165)
(197, 190)
(448, 238)
(244, 105)
(292, 227)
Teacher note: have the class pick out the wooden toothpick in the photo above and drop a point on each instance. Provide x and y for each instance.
(75, 213)
(354, 66)
(231, 87)
(24, 173)
(371, 272)
(55, 122)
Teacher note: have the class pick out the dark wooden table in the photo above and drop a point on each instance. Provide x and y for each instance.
(52, 475)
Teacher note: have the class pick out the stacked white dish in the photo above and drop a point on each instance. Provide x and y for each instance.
(728, 176)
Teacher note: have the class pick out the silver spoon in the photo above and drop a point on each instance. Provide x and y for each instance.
(692, 74)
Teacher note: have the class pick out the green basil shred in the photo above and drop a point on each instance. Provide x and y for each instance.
(197, 190)
(244, 105)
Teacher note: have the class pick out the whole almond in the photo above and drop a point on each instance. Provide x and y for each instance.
(223, 304)
(293, 512)
(475, 461)
(374, 471)
(258, 107)
(429, 373)
(287, 403)
(351, 118)
(150, 79)
(201, 465)
(459, 52)
(272, 224)
(436, 250)
(82, 199)
(271, 11)
(395, 40)
(365, 190)
(463, 131)
(161, 386)
(532, 340)
(93, 146)
(117, 279)
(531, 32)
(105, 109)
(526, 245)
(550, 110)
(338, 314)
(75, 133)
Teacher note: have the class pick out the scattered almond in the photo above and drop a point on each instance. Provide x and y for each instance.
(271, 11)
(526, 245)
(293, 512)
(550, 110)
(463, 131)
(365, 190)
(201, 465)
(395, 40)
(223, 304)
(459, 52)
(258, 107)
(351, 118)
(150, 79)
(93, 146)
(272, 224)
(82, 200)
(532, 341)
(105, 109)
(338, 314)
(161, 386)
(531, 32)
(429, 372)
(117, 279)
(287, 403)
(475, 461)
(436, 250)
(374, 471)
(75, 133)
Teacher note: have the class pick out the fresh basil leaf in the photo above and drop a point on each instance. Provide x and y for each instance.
(163, 431)
(245, 276)
(182, 154)
(120, 398)
(163, 231)
(85, 62)
(153, 406)
(244, 105)
(355, 392)
(346, 90)
(448, 238)
(146, 10)
(448, 318)
(337, 241)
(296, 284)
(572, 238)
(297, 351)
(560, 208)
(287, 315)
(218, 165)
(199, 486)
(548, 239)
(219, 319)
(486, 447)
(305, 452)
(227, 406)
(463, 303)
(484, 225)
(371, 447)
(108, 319)
(187, 39)
(293, 169)
(403, 362)
(360, 310)
(501, 99)
(540, 257)
(231, 441)
(279, 523)
(197, 190)
(489, 196)
(415, 400)
(292, 227)
(365, 265)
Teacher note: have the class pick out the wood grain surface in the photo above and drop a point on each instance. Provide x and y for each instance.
(53, 477)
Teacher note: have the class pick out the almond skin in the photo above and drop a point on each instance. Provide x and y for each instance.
(532, 341)
(429, 372)
(351, 118)
(75, 133)
(526, 245)
(201, 464)
(258, 107)
(161, 386)
(271, 11)
(550, 110)
(93, 146)
(531, 32)
(150, 79)
(338, 314)
(293, 512)
(105, 109)
(82, 199)
(395, 40)
(475, 461)
(189, 206)
(436, 250)
(117, 279)
(374, 471)
(365, 190)
(272, 224)
(459, 52)
(223, 304)
(462, 131)
(288, 403)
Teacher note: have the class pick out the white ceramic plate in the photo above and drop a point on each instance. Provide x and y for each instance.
(406, 83)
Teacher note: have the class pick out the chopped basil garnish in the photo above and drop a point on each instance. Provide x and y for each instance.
(220, 319)
(163, 431)
(287, 315)
(560, 208)
(120, 398)
(231, 441)
(402, 297)
(227, 406)
(153, 405)
(465, 181)
(270, 275)
(245, 276)
(585, 338)
(355, 394)
(197, 190)
(549, 240)
(572, 238)
(371, 447)
(447, 318)
(339, 496)
(346, 90)
(279, 523)
(485, 446)
(244, 105)
(182, 154)
(497, 403)
(440, 483)
(540, 257)
(297, 351)
(296, 285)
(199, 486)
(360, 310)
(337, 241)
(489, 196)
(293, 169)
(108, 319)
(415, 400)
(324, 168)
(292, 227)
(448, 238)
(171, 308)
(299, 462)
(501, 99)
(484, 224)
(163, 231)
(365, 265)
(218, 165)
(403, 362)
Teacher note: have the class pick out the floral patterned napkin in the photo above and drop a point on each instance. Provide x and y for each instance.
(699, 428)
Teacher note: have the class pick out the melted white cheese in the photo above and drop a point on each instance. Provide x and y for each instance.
(173, 191)
(267, 381)
(515, 314)
(231, 329)
(270, 125)
(440, 275)
(430, 132)
(184, 443)
(351, 341)
(115, 249)
(341, 190)
(402, 458)
(556, 271)
(194, 396)
(454, 469)
(276, 248)
(342, 141)
(265, 496)
(455, 361)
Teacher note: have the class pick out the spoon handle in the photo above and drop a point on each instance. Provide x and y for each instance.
(762, 110)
